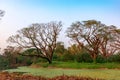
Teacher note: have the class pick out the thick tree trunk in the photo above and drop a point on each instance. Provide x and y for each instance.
(49, 60)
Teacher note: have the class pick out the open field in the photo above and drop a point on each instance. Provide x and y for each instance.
(108, 74)
(77, 65)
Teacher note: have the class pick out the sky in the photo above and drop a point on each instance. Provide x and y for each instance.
(22, 13)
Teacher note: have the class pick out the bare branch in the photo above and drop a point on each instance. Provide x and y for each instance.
(40, 36)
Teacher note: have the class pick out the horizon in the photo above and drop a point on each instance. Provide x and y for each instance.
(22, 13)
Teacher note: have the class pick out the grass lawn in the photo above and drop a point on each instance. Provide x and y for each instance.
(107, 74)
(79, 65)
(108, 71)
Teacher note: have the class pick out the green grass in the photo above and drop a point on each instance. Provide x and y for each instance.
(108, 74)
(80, 65)
(108, 71)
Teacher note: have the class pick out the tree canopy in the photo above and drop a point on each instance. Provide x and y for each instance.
(42, 37)
(94, 36)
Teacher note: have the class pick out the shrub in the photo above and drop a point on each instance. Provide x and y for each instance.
(4, 63)
(114, 58)
(84, 57)
(57, 57)
(100, 59)
(68, 57)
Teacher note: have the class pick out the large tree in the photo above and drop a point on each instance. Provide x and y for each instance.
(42, 37)
(89, 35)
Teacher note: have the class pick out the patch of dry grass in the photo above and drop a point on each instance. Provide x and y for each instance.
(17, 76)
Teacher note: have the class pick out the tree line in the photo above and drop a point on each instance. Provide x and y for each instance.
(90, 36)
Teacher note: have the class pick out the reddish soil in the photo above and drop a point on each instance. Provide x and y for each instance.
(18, 76)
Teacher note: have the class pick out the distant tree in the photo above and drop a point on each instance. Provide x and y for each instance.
(13, 59)
(59, 51)
(74, 49)
(90, 35)
(42, 37)
(60, 48)
(1, 13)
(11, 54)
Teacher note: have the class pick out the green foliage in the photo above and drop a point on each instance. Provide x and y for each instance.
(84, 57)
(100, 59)
(14, 61)
(4, 63)
(36, 60)
(29, 51)
(68, 57)
(114, 58)
(65, 56)
(20, 59)
(56, 57)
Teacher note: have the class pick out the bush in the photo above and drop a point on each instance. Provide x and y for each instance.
(20, 59)
(38, 60)
(114, 58)
(4, 63)
(68, 57)
(84, 57)
(100, 59)
(57, 57)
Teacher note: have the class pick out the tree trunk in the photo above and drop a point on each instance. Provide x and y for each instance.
(49, 60)
(94, 58)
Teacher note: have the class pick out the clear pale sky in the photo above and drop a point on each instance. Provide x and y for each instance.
(22, 13)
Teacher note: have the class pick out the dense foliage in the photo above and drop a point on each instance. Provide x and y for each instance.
(85, 57)
(13, 62)
(95, 37)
